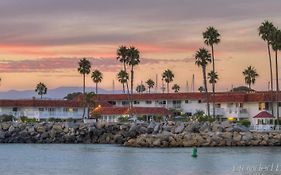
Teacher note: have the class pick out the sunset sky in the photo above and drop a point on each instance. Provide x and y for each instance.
(43, 40)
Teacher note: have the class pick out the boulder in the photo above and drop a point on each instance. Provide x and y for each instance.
(179, 128)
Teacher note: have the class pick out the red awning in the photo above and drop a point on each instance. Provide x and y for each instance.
(264, 114)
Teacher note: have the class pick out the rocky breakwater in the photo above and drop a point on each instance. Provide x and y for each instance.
(202, 134)
(65, 132)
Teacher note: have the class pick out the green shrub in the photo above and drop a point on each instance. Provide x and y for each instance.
(52, 119)
(142, 118)
(123, 119)
(28, 120)
(7, 118)
(244, 122)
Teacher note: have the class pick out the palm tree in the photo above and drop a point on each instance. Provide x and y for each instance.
(168, 77)
(211, 36)
(122, 56)
(84, 69)
(176, 88)
(276, 46)
(41, 89)
(201, 89)
(213, 78)
(123, 78)
(250, 75)
(202, 59)
(140, 88)
(265, 32)
(133, 60)
(150, 83)
(97, 77)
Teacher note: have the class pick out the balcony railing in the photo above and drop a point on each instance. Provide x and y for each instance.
(265, 127)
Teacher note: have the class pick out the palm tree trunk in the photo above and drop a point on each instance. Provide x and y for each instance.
(214, 109)
(213, 57)
(132, 85)
(271, 78)
(206, 90)
(277, 86)
(96, 88)
(168, 89)
(84, 107)
(41, 96)
(123, 84)
(213, 84)
(149, 90)
(128, 91)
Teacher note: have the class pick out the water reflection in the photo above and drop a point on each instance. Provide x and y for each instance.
(113, 159)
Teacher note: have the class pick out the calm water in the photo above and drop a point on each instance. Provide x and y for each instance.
(29, 159)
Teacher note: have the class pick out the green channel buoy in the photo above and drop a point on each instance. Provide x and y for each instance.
(194, 152)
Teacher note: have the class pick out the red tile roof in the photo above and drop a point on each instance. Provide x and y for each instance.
(219, 96)
(39, 103)
(264, 114)
(135, 110)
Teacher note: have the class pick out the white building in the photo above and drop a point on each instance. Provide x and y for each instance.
(228, 105)
(42, 109)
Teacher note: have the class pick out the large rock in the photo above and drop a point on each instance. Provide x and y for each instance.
(179, 128)
(5, 126)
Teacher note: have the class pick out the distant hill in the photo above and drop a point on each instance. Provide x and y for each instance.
(57, 93)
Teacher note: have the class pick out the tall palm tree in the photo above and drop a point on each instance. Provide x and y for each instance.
(168, 77)
(213, 78)
(97, 77)
(265, 32)
(202, 59)
(276, 46)
(84, 69)
(211, 36)
(176, 88)
(150, 83)
(122, 56)
(133, 60)
(140, 88)
(123, 78)
(41, 89)
(250, 75)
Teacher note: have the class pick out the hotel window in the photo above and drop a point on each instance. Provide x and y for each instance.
(279, 104)
(136, 102)
(241, 105)
(148, 102)
(218, 105)
(41, 109)
(112, 102)
(125, 103)
(176, 102)
(162, 102)
(199, 101)
(186, 101)
(65, 109)
(75, 109)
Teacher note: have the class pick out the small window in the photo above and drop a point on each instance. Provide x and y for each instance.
(41, 109)
(136, 102)
(65, 109)
(148, 102)
(75, 109)
(279, 104)
(15, 109)
(112, 102)
(162, 102)
(199, 101)
(186, 101)
(241, 105)
(51, 109)
(124, 103)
